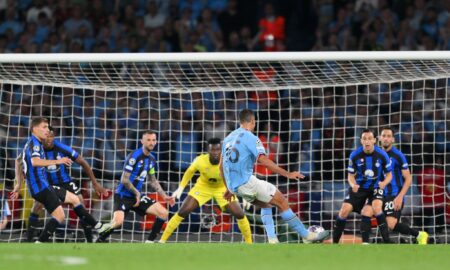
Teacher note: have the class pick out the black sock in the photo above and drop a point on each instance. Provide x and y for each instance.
(49, 229)
(87, 231)
(338, 229)
(156, 229)
(84, 215)
(32, 225)
(366, 226)
(384, 230)
(405, 229)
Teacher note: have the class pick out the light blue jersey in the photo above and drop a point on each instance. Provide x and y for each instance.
(240, 151)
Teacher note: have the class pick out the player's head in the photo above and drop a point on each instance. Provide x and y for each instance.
(387, 137)
(368, 140)
(39, 128)
(49, 142)
(149, 140)
(247, 119)
(214, 149)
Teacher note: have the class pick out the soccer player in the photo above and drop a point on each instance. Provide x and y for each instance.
(240, 150)
(369, 172)
(139, 165)
(394, 193)
(58, 176)
(34, 163)
(209, 186)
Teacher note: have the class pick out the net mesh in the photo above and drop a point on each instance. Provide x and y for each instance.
(309, 114)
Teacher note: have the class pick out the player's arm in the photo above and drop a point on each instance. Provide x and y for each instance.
(386, 181)
(97, 187)
(269, 164)
(352, 182)
(187, 176)
(398, 201)
(38, 162)
(154, 183)
(125, 180)
(18, 179)
(387, 172)
(228, 194)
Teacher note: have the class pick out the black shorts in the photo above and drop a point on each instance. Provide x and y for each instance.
(388, 208)
(60, 192)
(71, 187)
(49, 198)
(363, 197)
(126, 203)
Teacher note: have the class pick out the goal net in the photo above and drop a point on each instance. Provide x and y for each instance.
(310, 108)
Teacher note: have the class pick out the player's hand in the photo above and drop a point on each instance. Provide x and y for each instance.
(245, 204)
(398, 201)
(228, 195)
(295, 175)
(355, 188)
(177, 193)
(65, 160)
(382, 185)
(101, 191)
(138, 200)
(14, 195)
(170, 200)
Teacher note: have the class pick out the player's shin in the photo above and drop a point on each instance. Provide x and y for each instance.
(405, 229)
(49, 229)
(294, 223)
(269, 225)
(338, 229)
(244, 227)
(365, 228)
(32, 226)
(157, 225)
(382, 225)
(172, 225)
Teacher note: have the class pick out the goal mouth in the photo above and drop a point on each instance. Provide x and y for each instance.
(310, 109)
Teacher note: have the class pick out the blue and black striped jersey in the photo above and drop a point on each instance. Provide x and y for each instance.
(369, 169)
(139, 166)
(398, 164)
(58, 174)
(36, 177)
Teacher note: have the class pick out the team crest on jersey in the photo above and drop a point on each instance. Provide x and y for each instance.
(132, 161)
(36, 148)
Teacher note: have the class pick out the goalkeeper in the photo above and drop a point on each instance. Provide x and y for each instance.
(209, 186)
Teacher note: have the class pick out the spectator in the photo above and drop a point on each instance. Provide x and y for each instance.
(39, 7)
(271, 28)
(154, 18)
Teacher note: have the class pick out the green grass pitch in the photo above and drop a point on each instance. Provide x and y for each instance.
(222, 256)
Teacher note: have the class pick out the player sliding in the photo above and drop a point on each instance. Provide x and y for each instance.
(369, 172)
(241, 149)
(59, 177)
(394, 192)
(34, 163)
(209, 186)
(139, 165)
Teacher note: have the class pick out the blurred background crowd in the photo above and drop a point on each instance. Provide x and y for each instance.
(50, 26)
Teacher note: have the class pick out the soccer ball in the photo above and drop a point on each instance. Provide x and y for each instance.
(313, 229)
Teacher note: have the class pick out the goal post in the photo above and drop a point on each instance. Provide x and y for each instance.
(310, 107)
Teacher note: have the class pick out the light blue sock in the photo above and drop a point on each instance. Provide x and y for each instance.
(267, 220)
(294, 222)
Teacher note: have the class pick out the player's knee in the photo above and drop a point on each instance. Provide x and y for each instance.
(345, 211)
(58, 214)
(391, 223)
(72, 199)
(163, 214)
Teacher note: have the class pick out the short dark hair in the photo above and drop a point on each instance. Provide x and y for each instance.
(367, 131)
(246, 116)
(388, 128)
(36, 122)
(214, 141)
(149, 132)
(51, 129)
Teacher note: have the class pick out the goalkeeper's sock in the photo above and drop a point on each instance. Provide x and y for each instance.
(405, 229)
(87, 231)
(49, 229)
(382, 225)
(32, 225)
(338, 229)
(85, 217)
(365, 228)
(172, 225)
(294, 222)
(267, 220)
(244, 227)
(157, 225)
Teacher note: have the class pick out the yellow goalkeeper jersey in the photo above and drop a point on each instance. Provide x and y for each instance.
(209, 173)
